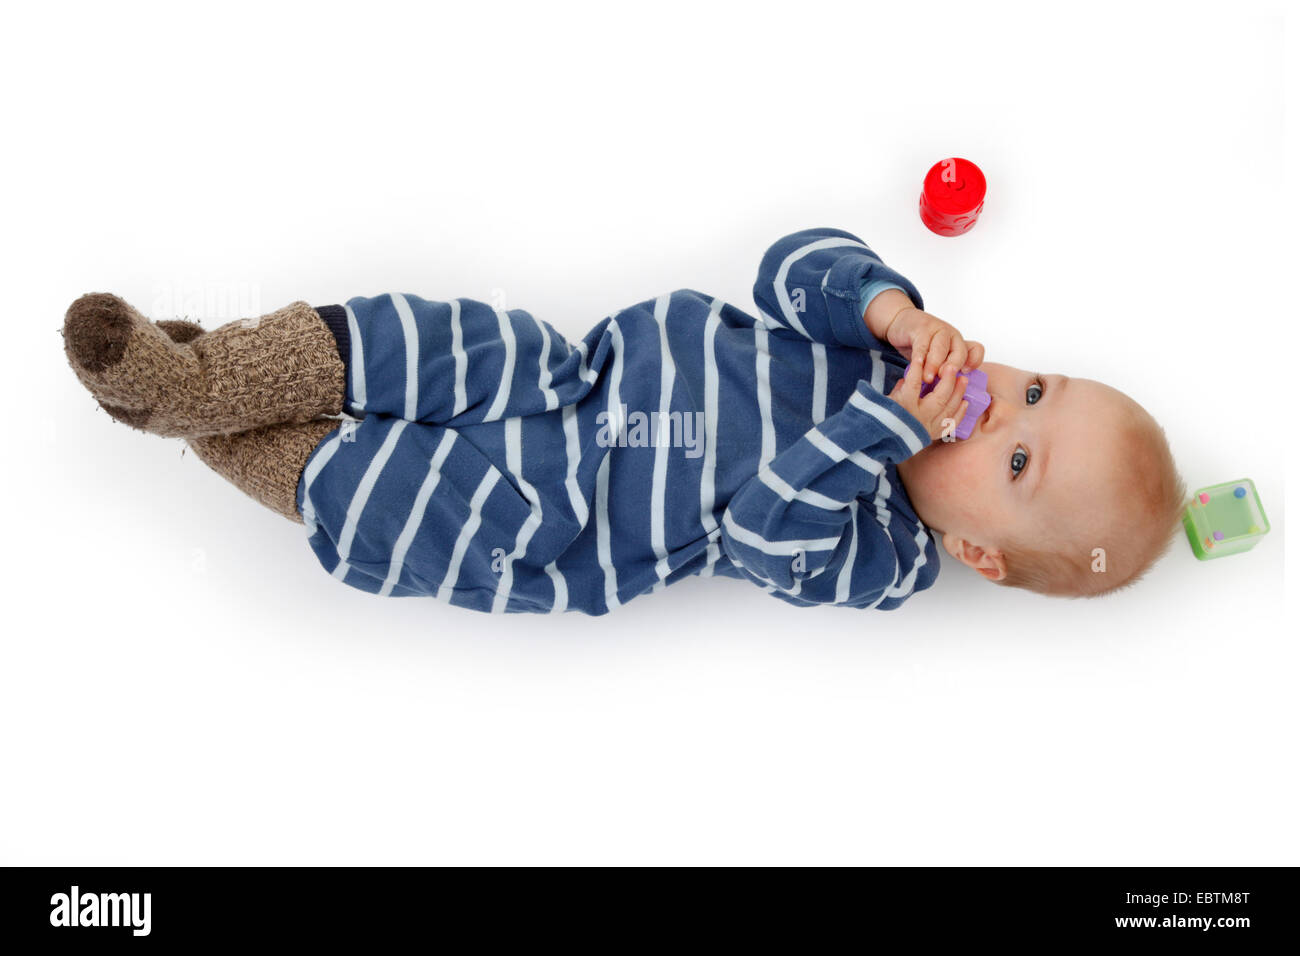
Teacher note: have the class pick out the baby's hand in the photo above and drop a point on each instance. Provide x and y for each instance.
(939, 409)
(930, 342)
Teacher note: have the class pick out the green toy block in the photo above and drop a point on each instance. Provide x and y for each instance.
(1225, 519)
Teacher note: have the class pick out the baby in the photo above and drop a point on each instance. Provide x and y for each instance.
(469, 453)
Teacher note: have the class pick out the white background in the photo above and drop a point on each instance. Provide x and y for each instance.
(181, 682)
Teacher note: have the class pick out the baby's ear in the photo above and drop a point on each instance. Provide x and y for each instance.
(991, 563)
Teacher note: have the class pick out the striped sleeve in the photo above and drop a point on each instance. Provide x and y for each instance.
(813, 525)
(810, 284)
(458, 363)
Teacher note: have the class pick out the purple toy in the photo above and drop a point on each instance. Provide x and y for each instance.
(976, 394)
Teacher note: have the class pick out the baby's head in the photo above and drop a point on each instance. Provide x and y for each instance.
(1056, 469)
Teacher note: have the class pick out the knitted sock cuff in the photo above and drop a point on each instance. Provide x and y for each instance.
(335, 318)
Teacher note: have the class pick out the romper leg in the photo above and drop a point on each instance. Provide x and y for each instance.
(456, 363)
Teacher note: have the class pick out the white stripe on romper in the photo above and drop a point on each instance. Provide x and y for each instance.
(779, 548)
(462, 359)
(889, 420)
(574, 451)
(572, 445)
(431, 479)
(515, 465)
(819, 383)
(585, 372)
(708, 491)
(358, 362)
(317, 463)
(507, 371)
(411, 342)
(905, 586)
(835, 453)
(885, 592)
(712, 553)
(602, 535)
(778, 284)
(881, 501)
(544, 372)
(362, 495)
(561, 602)
(845, 580)
(659, 483)
(787, 492)
(603, 551)
(877, 371)
(763, 384)
(467, 533)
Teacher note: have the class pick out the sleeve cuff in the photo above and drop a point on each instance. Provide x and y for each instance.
(335, 318)
(871, 289)
(844, 285)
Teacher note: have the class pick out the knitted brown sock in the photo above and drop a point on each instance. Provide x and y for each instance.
(265, 463)
(282, 367)
(179, 330)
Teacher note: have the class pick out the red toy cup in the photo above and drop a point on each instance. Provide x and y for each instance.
(952, 196)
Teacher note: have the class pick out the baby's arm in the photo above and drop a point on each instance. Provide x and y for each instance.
(812, 524)
(810, 284)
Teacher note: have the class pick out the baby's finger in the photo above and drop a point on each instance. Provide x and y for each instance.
(919, 349)
(960, 384)
(914, 376)
(910, 383)
(939, 398)
(936, 353)
(957, 352)
(974, 355)
(958, 396)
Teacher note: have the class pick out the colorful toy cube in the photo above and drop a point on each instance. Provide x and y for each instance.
(1225, 519)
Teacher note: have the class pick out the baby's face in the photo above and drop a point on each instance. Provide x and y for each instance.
(1039, 466)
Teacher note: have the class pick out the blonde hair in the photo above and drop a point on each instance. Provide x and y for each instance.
(1149, 519)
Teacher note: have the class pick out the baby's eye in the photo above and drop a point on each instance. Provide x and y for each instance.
(1019, 459)
(1033, 393)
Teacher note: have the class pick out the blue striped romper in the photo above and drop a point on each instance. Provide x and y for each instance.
(487, 462)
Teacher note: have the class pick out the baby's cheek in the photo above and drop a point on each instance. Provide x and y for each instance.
(966, 472)
(959, 461)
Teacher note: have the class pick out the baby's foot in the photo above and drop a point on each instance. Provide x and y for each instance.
(174, 379)
(179, 331)
(130, 365)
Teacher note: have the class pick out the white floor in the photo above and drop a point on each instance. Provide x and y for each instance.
(180, 682)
